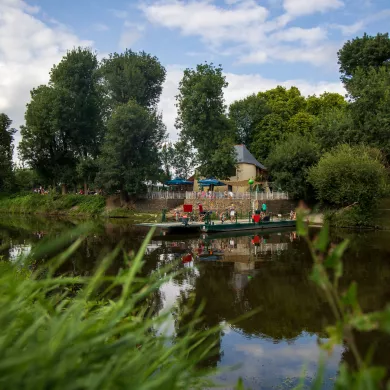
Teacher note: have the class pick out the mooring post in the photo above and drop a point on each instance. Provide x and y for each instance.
(163, 215)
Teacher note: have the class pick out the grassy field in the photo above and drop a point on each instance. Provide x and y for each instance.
(70, 205)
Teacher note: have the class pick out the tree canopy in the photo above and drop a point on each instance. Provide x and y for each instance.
(202, 120)
(133, 76)
(363, 52)
(6, 152)
(289, 162)
(130, 152)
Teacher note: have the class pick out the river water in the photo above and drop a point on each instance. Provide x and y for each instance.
(233, 275)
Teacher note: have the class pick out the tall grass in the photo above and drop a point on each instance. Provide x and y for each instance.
(60, 332)
(52, 204)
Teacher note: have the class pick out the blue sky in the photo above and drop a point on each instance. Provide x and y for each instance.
(260, 43)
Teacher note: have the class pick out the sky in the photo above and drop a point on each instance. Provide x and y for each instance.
(259, 43)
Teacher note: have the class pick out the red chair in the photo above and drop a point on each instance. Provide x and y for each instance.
(187, 208)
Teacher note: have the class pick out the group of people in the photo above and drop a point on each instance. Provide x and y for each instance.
(40, 191)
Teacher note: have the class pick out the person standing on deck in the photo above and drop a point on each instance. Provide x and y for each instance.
(264, 208)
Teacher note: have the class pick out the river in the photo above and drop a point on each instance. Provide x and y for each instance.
(234, 275)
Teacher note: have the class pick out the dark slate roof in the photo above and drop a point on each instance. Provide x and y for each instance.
(245, 156)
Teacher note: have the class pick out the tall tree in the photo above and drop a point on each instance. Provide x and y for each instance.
(246, 114)
(370, 95)
(184, 159)
(133, 76)
(201, 117)
(284, 102)
(130, 152)
(289, 162)
(46, 144)
(6, 152)
(78, 77)
(64, 121)
(335, 127)
(365, 52)
(271, 130)
(167, 155)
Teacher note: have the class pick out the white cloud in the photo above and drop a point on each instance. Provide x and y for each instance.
(240, 86)
(213, 24)
(28, 50)
(245, 30)
(131, 33)
(305, 35)
(306, 7)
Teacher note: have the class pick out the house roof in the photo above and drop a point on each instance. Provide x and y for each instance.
(245, 156)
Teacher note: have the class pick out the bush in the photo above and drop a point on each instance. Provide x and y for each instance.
(289, 162)
(350, 175)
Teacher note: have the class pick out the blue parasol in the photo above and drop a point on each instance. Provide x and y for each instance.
(178, 181)
(212, 181)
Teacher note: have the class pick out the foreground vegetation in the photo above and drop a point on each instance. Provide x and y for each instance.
(91, 333)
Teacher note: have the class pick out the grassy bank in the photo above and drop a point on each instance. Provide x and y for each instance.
(68, 205)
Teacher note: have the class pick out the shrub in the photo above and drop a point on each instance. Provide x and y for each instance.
(349, 175)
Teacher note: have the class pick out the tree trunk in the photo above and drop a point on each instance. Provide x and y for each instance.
(124, 197)
(63, 189)
(85, 188)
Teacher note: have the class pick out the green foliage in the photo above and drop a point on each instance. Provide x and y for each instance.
(301, 123)
(26, 179)
(284, 102)
(6, 152)
(45, 143)
(349, 175)
(270, 131)
(369, 92)
(246, 114)
(92, 332)
(325, 102)
(289, 113)
(64, 121)
(184, 159)
(326, 274)
(130, 153)
(53, 204)
(201, 116)
(289, 162)
(133, 76)
(77, 75)
(334, 127)
(365, 52)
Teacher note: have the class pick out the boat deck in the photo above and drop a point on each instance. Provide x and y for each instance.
(218, 226)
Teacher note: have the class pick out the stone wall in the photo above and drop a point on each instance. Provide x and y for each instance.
(243, 205)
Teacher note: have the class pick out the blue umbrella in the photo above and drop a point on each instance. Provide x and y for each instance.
(178, 181)
(212, 181)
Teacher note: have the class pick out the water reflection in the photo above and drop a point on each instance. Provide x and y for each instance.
(233, 275)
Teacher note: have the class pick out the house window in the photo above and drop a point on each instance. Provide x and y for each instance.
(230, 188)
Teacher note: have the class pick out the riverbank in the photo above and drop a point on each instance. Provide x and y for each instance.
(70, 205)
